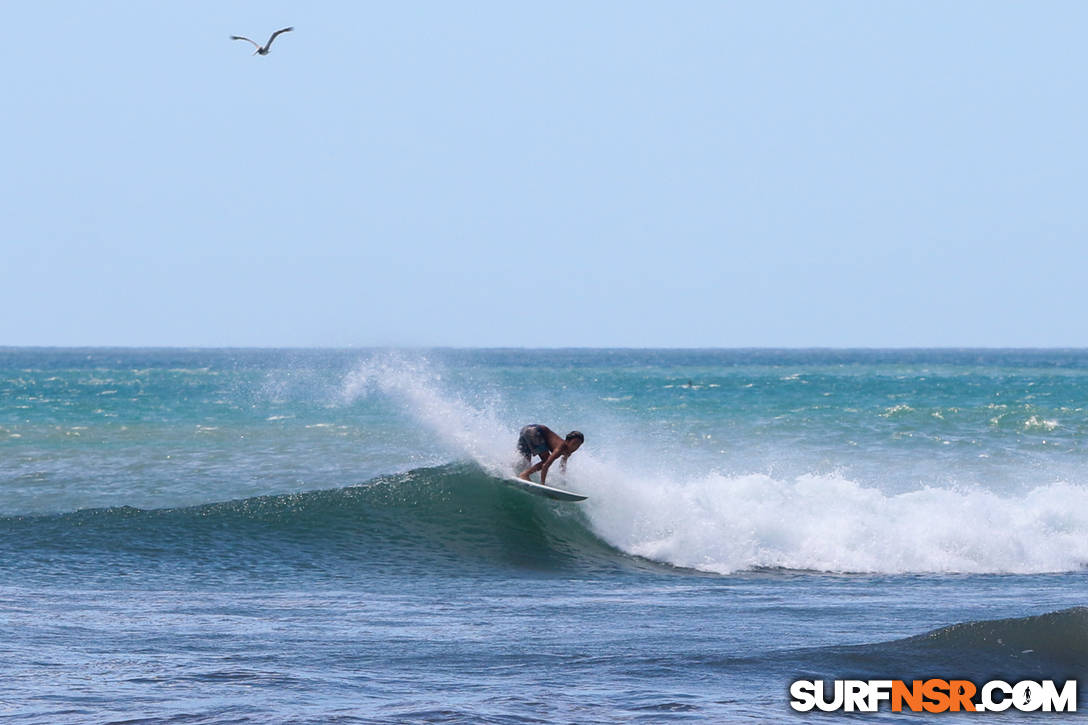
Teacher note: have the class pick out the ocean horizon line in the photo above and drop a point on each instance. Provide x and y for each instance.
(561, 348)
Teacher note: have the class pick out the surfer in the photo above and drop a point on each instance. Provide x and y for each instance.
(540, 440)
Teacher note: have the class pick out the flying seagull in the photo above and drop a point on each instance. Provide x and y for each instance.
(262, 49)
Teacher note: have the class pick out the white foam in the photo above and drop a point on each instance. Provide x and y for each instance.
(726, 524)
(1037, 423)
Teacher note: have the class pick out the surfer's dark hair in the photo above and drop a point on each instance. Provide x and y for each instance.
(576, 434)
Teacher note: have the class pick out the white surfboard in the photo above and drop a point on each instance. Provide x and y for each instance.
(540, 489)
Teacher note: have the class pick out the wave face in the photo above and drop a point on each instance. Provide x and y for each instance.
(453, 518)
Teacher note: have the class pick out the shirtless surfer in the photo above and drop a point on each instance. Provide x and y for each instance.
(540, 440)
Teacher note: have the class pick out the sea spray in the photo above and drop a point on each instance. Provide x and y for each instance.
(472, 429)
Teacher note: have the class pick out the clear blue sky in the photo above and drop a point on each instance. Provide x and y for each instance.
(545, 174)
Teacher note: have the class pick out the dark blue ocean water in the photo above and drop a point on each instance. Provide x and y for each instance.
(322, 536)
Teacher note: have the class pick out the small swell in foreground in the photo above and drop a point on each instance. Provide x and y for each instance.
(1046, 646)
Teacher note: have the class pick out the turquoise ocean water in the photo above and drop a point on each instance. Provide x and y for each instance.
(321, 536)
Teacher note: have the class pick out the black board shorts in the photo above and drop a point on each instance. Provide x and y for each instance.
(533, 442)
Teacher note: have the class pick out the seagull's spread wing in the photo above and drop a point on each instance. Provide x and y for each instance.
(242, 37)
(282, 30)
